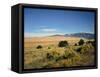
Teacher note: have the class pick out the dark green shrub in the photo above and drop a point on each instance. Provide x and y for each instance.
(79, 49)
(85, 49)
(39, 47)
(58, 58)
(63, 44)
(91, 42)
(75, 44)
(49, 56)
(81, 42)
(88, 42)
(49, 47)
(53, 56)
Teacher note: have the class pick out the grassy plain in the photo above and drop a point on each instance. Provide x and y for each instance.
(52, 56)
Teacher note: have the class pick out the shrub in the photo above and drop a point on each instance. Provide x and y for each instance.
(39, 47)
(76, 59)
(79, 49)
(68, 56)
(49, 56)
(91, 42)
(88, 42)
(63, 44)
(69, 53)
(75, 44)
(86, 49)
(56, 56)
(49, 47)
(81, 42)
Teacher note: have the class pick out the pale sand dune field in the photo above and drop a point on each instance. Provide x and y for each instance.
(29, 42)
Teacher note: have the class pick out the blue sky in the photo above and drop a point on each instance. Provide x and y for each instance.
(46, 22)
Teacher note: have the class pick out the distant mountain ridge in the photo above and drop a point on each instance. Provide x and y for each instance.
(81, 35)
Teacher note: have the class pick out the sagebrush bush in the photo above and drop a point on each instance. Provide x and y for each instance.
(79, 49)
(49, 56)
(76, 58)
(49, 47)
(69, 53)
(56, 56)
(81, 42)
(91, 42)
(75, 44)
(86, 49)
(39, 47)
(63, 44)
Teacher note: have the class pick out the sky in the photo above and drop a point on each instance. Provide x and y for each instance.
(46, 22)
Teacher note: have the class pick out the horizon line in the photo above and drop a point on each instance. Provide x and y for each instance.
(56, 34)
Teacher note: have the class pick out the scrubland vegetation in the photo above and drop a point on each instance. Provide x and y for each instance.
(60, 54)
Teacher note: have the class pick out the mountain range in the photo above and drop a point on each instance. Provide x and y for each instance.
(81, 35)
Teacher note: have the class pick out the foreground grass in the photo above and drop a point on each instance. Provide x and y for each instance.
(53, 56)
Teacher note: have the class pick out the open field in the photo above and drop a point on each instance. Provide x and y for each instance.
(30, 42)
(51, 55)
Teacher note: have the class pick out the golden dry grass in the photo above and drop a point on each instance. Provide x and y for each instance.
(37, 58)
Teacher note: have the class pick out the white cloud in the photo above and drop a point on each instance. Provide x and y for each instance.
(49, 30)
(40, 34)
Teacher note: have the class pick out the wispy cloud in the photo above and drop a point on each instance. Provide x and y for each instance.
(49, 30)
(41, 34)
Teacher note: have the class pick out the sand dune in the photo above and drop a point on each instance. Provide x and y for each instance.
(55, 38)
(49, 40)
